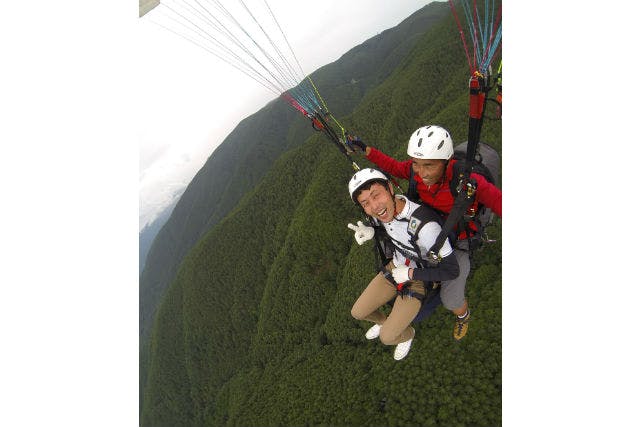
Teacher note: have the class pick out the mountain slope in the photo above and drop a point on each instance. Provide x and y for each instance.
(256, 330)
(148, 234)
(250, 150)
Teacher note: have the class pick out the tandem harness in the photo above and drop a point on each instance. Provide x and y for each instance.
(386, 245)
(464, 194)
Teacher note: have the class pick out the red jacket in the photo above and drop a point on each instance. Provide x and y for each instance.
(439, 196)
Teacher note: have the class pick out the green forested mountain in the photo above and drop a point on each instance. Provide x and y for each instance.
(255, 328)
(243, 158)
(150, 231)
(250, 150)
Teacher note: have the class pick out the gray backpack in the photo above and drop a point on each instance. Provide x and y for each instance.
(487, 163)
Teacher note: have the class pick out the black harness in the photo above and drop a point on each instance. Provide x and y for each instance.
(464, 194)
(418, 219)
(386, 245)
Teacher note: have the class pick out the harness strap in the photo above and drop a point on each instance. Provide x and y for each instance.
(402, 289)
(463, 200)
(411, 253)
(412, 190)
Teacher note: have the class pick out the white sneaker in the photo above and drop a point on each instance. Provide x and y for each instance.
(373, 332)
(402, 349)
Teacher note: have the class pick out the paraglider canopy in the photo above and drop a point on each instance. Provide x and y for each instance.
(146, 5)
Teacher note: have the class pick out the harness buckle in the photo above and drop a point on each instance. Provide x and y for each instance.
(471, 189)
(433, 258)
(470, 214)
(461, 182)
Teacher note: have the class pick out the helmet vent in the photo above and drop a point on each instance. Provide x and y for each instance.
(430, 133)
(441, 144)
(418, 132)
(420, 142)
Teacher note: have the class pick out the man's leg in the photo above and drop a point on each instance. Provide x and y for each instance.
(375, 295)
(452, 295)
(397, 328)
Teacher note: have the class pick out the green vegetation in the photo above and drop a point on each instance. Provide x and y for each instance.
(255, 328)
(245, 156)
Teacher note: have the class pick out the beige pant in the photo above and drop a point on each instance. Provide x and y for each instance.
(395, 328)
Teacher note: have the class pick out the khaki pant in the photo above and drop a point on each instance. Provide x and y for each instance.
(395, 328)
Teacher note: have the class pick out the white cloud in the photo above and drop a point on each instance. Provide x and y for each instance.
(189, 100)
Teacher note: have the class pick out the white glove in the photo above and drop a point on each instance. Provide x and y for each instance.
(400, 274)
(362, 232)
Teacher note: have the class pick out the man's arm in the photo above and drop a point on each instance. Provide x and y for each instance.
(447, 269)
(488, 194)
(389, 164)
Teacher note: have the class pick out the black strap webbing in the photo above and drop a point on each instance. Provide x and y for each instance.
(412, 190)
(466, 190)
(463, 200)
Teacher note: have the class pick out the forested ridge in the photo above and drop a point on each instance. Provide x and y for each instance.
(250, 150)
(255, 329)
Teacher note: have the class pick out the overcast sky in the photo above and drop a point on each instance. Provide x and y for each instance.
(190, 99)
(69, 130)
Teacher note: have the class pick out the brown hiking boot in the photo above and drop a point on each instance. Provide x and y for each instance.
(460, 329)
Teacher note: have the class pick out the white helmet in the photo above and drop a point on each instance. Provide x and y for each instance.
(430, 142)
(362, 177)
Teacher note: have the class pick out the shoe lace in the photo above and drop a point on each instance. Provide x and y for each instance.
(460, 323)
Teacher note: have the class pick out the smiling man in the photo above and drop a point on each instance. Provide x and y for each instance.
(430, 169)
(412, 229)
